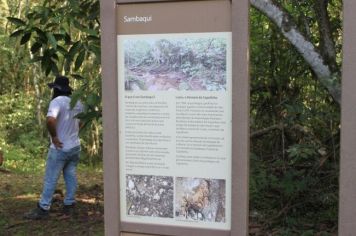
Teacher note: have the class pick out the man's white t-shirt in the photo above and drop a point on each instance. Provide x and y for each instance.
(67, 125)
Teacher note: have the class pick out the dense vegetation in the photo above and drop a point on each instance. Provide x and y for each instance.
(295, 120)
(42, 40)
(294, 128)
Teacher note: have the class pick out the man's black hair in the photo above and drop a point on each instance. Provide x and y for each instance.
(57, 92)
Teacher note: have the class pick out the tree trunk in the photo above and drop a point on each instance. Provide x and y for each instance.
(19, 9)
(38, 98)
(327, 45)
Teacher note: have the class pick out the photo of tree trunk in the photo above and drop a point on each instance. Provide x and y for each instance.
(175, 64)
(148, 195)
(200, 199)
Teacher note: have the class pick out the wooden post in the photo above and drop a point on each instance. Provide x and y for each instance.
(347, 201)
(240, 117)
(110, 117)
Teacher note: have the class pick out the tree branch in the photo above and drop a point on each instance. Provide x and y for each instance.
(258, 133)
(327, 44)
(307, 50)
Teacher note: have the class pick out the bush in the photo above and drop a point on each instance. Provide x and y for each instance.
(21, 138)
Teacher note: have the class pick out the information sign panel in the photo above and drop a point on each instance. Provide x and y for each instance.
(175, 119)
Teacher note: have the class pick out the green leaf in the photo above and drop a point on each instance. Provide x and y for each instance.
(85, 6)
(51, 25)
(62, 50)
(74, 49)
(45, 14)
(67, 65)
(17, 33)
(35, 47)
(96, 50)
(25, 38)
(54, 68)
(75, 97)
(41, 34)
(78, 25)
(94, 10)
(79, 60)
(55, 56)
(94, 38)
(74, 3)
(59, 37)
(91, 32)
(16, 21)
(48, 69)
(67, 38)
(93, 99)
(89, 116)
(45, 61)
(52, 40)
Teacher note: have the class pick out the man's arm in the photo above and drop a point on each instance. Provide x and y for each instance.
(51, 127)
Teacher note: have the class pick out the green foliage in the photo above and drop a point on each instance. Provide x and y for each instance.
(62, 32)
(294, 166)
(20, 161)
(63, 38)
(20, 137)
(17, 113)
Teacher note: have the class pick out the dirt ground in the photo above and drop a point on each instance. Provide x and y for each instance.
(19, 193)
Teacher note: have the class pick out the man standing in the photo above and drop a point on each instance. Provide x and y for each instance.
(63, 155)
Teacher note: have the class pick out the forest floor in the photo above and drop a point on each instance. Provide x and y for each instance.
(19, 193)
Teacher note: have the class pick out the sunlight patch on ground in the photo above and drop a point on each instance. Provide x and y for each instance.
(27, 196)
(89, 200)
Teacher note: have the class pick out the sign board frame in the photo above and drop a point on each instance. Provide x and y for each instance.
(347, 187)
(240, 127)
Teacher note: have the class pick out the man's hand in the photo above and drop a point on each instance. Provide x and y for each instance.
(57, 143)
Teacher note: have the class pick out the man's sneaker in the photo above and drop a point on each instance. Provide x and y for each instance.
(36, 214)
(69, 210)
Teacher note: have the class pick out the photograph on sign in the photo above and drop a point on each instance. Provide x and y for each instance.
(148, 195)
(159, 64)
(175, 129)
(199, 199)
